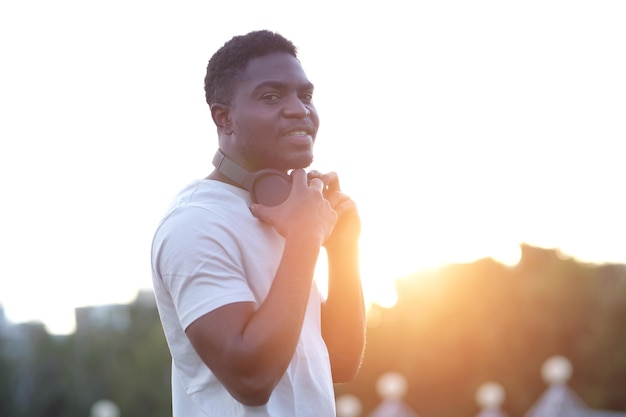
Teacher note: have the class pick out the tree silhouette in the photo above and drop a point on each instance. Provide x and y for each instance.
(452, 330)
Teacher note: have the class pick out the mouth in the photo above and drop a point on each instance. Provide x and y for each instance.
(298, 133)
(299, 137)
(301, 131)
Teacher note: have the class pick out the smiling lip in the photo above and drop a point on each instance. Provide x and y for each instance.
(301, 135)
(298, 133)
(299, 138)
(301, 130)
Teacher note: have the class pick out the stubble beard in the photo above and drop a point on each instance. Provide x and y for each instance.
(266, 159)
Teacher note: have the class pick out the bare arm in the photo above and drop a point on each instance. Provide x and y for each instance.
(343, 314)
(247, 347)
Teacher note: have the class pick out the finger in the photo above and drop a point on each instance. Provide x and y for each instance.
(338, 199)
(261, 212)
(299, 176)
(318, 184)
(331, 179)
(345, 206)
(314, 174)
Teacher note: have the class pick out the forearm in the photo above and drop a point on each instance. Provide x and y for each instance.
(254, 349)
(343, 319)
(249, 347)
(273, 331)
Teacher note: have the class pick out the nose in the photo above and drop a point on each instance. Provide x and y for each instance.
(296, 108)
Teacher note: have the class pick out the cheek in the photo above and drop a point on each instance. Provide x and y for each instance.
(315, 119)
(256, 133)
(261, 122)
(247, 130)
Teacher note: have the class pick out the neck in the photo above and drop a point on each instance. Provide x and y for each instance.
(215, 175)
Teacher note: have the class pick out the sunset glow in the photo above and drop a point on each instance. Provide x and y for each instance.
(461, 131)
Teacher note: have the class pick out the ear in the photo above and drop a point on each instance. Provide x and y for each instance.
(221, 117)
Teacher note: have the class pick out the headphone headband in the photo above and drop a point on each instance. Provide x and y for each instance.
(229, 168)
(269, 187)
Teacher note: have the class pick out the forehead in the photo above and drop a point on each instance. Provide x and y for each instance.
(275, 67)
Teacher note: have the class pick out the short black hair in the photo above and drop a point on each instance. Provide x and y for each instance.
(227, 65)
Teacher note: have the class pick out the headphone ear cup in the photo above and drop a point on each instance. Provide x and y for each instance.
(270, 187)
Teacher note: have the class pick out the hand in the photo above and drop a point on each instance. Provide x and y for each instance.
(348, 227)
(305, 210)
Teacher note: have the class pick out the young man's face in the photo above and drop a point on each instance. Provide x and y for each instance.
(272, 115)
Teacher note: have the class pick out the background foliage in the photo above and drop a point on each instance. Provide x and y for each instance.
(452, 330)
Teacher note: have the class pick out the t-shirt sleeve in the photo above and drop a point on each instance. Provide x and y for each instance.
(199, 261)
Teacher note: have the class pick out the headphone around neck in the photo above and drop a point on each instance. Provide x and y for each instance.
(269, 187)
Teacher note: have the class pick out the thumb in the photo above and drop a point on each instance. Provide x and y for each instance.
(260, 212)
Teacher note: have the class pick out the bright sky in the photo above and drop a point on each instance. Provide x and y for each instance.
(461, 128)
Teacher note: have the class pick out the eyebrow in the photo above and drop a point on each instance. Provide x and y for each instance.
(281, 85)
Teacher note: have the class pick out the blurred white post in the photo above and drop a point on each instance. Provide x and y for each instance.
(392, 387)
(558, 400)
(490, 397)
(105, 408)
(348, 405)
(556, 370)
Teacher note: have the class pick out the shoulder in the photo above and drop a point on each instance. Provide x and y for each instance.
(206, 200)
(206, 211)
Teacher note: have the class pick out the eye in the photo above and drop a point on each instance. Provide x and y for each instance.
(272, 97)
(307, 97)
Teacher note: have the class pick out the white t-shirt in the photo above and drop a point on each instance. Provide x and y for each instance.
(209, 251)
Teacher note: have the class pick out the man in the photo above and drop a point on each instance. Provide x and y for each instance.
(248, 330)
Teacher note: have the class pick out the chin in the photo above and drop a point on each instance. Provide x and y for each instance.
(303, 162)
(295, 160)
